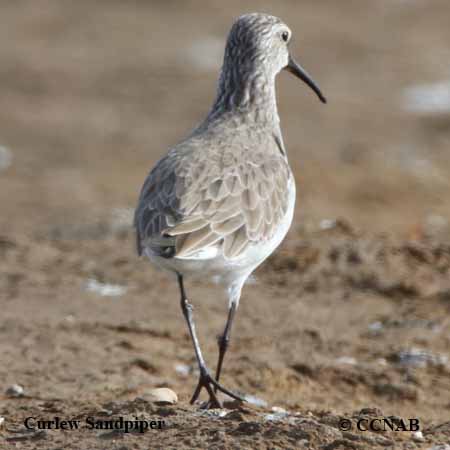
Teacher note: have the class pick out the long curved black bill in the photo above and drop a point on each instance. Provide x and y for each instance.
(301, 73)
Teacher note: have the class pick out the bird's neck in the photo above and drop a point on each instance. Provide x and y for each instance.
(247, 95)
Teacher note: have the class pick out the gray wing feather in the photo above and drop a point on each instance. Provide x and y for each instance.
(187, 205)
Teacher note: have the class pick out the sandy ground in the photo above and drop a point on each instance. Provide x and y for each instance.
(348, 320)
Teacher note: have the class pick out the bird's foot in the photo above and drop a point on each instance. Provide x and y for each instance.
(212, 386)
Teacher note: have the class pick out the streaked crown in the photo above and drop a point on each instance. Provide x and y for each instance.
(257, 42)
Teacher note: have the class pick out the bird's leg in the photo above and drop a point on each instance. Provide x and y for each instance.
(206, 380)
(234, 295)
(224, 339)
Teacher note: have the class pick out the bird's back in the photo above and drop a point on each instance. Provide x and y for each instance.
(216, 189)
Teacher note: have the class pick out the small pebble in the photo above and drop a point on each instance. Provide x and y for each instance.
(327, 224)
(417, 436)
(69, 318)
(161, 396)
(182, 369)
(376, 327)
(2, 421)
(347, 360)
(213, 412)
(15, 390)
(278, 409)
(278, 414)
(381, 361)
(105, 289)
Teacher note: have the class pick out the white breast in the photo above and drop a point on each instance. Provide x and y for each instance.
(259, 252)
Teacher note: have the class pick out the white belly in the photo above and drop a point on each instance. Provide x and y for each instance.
(211, 263)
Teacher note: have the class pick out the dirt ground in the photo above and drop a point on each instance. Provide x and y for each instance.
(349, 320)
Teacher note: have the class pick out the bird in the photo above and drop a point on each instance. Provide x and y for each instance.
(222, 199)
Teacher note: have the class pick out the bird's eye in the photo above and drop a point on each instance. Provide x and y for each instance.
(285, 36)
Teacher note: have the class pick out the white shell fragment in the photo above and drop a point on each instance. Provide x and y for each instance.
(213, 412)
(347, 360)
(105, 289)
(418, 436)
(161, 396)
(15, 390)
(278, 413)
(182, 369)
(327, 224)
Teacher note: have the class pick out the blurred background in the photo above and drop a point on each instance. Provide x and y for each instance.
(94, 92)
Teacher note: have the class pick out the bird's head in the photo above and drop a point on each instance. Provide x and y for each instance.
(260, 43)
